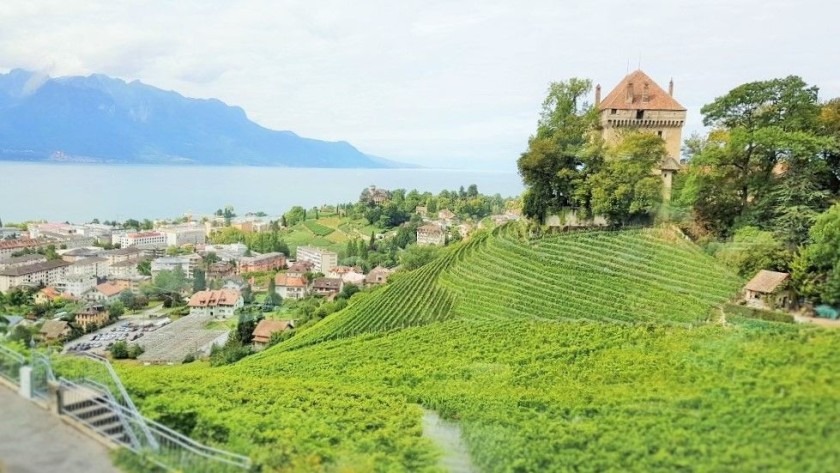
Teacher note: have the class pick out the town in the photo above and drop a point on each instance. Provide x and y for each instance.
(174, 290)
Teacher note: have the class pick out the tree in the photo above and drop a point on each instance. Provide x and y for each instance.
(119, 350)
(272, 297)
(145, 268)
(816, 271)
(372, 241)
(116, 310)
(624, 188)
(415, 256)
(294, 216)
(553, 166)
(199, 280)
(247, 294)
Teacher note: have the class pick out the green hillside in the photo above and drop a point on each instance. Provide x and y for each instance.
(580, 352)
(628, 276)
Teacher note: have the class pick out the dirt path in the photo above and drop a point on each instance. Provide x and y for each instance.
(34, 441)
(447, 436)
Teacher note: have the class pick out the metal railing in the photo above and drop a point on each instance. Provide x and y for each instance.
(10, 364)
(172, 451)
(42, 375)
(121, 397)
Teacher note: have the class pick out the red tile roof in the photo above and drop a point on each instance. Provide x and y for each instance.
(224, 297)
(18, 243)
(658, 99)
(262, 333)
(109, 288)
(285, 280)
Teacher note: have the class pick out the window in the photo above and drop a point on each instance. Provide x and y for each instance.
(659, 133)
(640, 114)
(612, 111)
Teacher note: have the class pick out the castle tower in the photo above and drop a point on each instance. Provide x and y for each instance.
(638, 103)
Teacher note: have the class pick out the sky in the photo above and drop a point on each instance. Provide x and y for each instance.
(436, 83)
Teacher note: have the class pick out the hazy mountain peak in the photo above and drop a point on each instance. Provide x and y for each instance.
(98, 118)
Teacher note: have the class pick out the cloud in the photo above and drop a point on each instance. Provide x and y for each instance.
(435, 82)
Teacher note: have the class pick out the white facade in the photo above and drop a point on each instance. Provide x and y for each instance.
(188, 264)
(142, 238)
(49, 273)
(78, 285)
(92, 267)
(324, 260)
(179, 236)
(124, 269)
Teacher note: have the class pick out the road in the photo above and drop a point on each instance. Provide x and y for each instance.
(34, 441)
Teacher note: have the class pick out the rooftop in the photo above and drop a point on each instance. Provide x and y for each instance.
(110, 288)
(34, 268)
(224, 297)
(285, 280)
(630, 94)
(766, 281)
(265, 328)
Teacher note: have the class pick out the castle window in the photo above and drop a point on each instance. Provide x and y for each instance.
(612, 111)
(659, 133)
(640, 114)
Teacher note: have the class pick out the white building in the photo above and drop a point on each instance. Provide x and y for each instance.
(323, 260)
(143, 239)
(98, 231)
(17, 261)
(184, 234)
(47, 273)
(96, 267)
(431, 234)
(233, 251)
(124, 269)
(188, 264)
(219, 304)
(77, 285)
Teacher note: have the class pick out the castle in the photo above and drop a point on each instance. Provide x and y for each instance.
(637, 102)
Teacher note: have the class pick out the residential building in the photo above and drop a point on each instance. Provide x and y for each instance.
(47, 295)
(54, 331)
(421, 210)
(638, 103)
(232, 252)
(184, 235)
(327, 286)
(340, 271)
(25, 260)
(264, 262)
(300, 268)
(107, 292)
(45, 230)
(447, 216)
(431, 234)
(291, 286)
(769, 290)
(378, 275)
(236, 283)
(354, 278)
(99, 232)
(188, 264)
(61, 241)
(9, 247)
(131, 283)
(220, 270)
(78, 285)
(95, 315)
(47, 273)
(124, 269)
(97, 267)
(266, 328)
(323, 260)
(251, 226)
(376, 196)
(220, 304)
(81, 253)
(143, 239)
(123, 254)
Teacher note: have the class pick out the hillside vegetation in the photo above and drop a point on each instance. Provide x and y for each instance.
(628, 276)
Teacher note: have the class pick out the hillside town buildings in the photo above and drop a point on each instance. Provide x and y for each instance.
(292, 286)
(323, 260)
(431, 234)
(219, 304)
(264, 262)
(45, 273)
(187, 263)
(143, 239)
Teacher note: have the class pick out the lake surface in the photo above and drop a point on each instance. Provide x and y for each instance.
(79, 193)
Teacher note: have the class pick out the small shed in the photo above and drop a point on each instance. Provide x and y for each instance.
(768, 290)
(266, 328)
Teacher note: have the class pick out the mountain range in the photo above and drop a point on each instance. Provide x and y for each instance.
(100, 119)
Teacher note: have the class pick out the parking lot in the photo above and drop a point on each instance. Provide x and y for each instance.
(130, 331)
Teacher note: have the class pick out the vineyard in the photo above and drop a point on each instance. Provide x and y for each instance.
(579, 352)
(530, 396)
(317, 228)
(627, 277)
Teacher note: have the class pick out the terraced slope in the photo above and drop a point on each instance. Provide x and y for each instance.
(627, 276)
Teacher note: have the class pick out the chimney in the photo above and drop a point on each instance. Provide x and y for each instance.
(629, 98)
(645, 93)
(671, 87)
(597, 95)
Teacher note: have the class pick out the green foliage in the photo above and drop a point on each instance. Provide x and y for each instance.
(116, 309)
(199, 280)
(817, 270)
(415, 256)
(294, 216)
(145, 267)
(317, 228)
(751, 250)
(121, 350)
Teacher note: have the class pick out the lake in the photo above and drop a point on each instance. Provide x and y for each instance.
(79, 193)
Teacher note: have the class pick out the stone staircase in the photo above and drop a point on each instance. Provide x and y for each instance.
(97, 410)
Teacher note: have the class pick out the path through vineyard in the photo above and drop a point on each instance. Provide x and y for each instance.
(447, 436)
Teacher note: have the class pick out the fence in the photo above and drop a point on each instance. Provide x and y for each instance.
(10, 364)
(104, 407)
